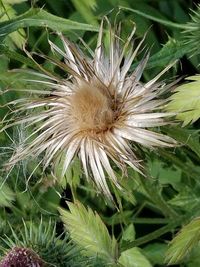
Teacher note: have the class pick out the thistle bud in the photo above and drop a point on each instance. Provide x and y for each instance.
(22, 257)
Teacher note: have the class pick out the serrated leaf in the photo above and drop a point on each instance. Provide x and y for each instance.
(186, 101)
(184, 242)
(134, 258)
(88, 231)
(186, 199)
(165, 175)
(129, 233)
(170, 52)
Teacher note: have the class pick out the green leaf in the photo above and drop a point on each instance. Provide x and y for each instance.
(170, 52)
(155, 253)
(6, 195)
(87, 230)
(4, 50)
(186, 199)
(41, 18)
(194, 259)
(153, 18)
(13, 2)
(85, 7)
(187, 167)
(9, 13)
(165, 175)
(184, 242)
(129, 233)
(186, 101)
(134, 258)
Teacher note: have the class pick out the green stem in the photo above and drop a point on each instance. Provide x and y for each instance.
(161, 21)
(157, 233)
(147, 238)
(151, 220)
(179, 220)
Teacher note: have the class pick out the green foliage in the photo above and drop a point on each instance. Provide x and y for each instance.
(8, 13)
(6, 195)
(133, 258)
(129, 233)
(184, 242)
(186, 101)
(85, 8)
(41, 18)
(155, 253)
(149, 209)
(13, 2)
(171, 51)
(87, 230)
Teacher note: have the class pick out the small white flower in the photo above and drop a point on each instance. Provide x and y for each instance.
(98, 113)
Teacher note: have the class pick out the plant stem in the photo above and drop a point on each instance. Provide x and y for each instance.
(157, 233)
(161, 21)
(151, 220)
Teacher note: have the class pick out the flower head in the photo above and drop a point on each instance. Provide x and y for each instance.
(98, 113)
(39, 245)
(21, 257)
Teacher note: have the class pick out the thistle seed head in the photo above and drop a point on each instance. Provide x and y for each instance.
(98, 114)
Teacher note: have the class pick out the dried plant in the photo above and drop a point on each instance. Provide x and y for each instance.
(99, 113)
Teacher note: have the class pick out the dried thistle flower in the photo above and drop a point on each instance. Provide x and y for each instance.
(98, 113)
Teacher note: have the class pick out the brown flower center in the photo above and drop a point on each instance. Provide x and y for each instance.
(92, 108)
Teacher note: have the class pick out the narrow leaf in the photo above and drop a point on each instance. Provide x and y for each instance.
(41, 18)
(159, 20)
(18, 37)
(13, 2)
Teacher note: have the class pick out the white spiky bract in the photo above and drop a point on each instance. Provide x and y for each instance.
(97, 113)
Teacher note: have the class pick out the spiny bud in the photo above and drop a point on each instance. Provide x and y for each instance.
(191, 34)
(22, 257)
